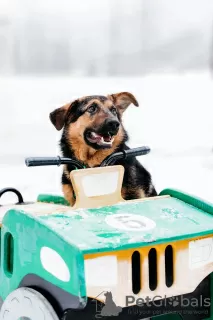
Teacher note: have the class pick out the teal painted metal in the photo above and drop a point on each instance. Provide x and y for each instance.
(88, 230)
(174, 220)
(49, 198)
(189, 199)
(30, 235)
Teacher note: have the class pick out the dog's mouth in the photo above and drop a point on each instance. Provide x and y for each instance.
(103, 140)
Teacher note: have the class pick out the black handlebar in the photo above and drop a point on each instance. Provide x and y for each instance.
(57, 161)
(51, 161)
(124, 154)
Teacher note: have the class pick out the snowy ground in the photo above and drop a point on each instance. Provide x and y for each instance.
(174, 119)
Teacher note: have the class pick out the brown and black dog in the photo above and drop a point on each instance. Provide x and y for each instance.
(92, 130)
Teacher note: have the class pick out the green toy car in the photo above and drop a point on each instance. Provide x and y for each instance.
(106, 257)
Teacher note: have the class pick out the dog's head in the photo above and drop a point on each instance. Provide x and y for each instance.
(97, 120)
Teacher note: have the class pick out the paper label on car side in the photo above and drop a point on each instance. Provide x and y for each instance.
(200, 252)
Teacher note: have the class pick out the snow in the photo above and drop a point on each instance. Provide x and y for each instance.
(174, 118)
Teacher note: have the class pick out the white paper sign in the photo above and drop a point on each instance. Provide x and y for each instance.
(100, 184)
(200, 252)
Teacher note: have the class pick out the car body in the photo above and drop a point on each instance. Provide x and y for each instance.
(152, 247)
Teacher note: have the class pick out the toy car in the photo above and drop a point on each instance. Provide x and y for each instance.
(106, 257)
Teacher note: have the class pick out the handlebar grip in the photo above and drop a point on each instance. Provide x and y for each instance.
(43, 161)
(136, 152)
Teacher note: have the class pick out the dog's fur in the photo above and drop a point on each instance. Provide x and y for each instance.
(89, 123)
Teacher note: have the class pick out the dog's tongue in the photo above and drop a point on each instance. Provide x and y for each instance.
(98, 137)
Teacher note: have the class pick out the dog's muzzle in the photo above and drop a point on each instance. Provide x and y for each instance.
(104, 136)
(111, 127)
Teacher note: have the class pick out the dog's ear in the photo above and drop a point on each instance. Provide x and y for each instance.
(123, 99)
(57, 117)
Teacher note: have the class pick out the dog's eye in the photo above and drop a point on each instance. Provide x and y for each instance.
(114, 110)
(93, 108)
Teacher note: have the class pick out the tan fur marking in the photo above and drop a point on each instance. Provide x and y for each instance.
(123, 192)
(108, 103)
(142, 193)
(66, 172)
(68, 193)
(135, 192)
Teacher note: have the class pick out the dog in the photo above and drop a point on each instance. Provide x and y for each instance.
(110, 308)
(92, 130)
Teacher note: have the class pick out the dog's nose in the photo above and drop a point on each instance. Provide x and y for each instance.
(113, 125)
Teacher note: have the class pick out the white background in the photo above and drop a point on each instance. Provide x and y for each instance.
(161, 51)
(174, 118)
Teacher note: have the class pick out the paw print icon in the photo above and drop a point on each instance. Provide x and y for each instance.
(173, 301)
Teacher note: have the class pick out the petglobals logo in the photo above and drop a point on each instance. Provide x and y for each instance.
(171, 302)
(109, 308)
